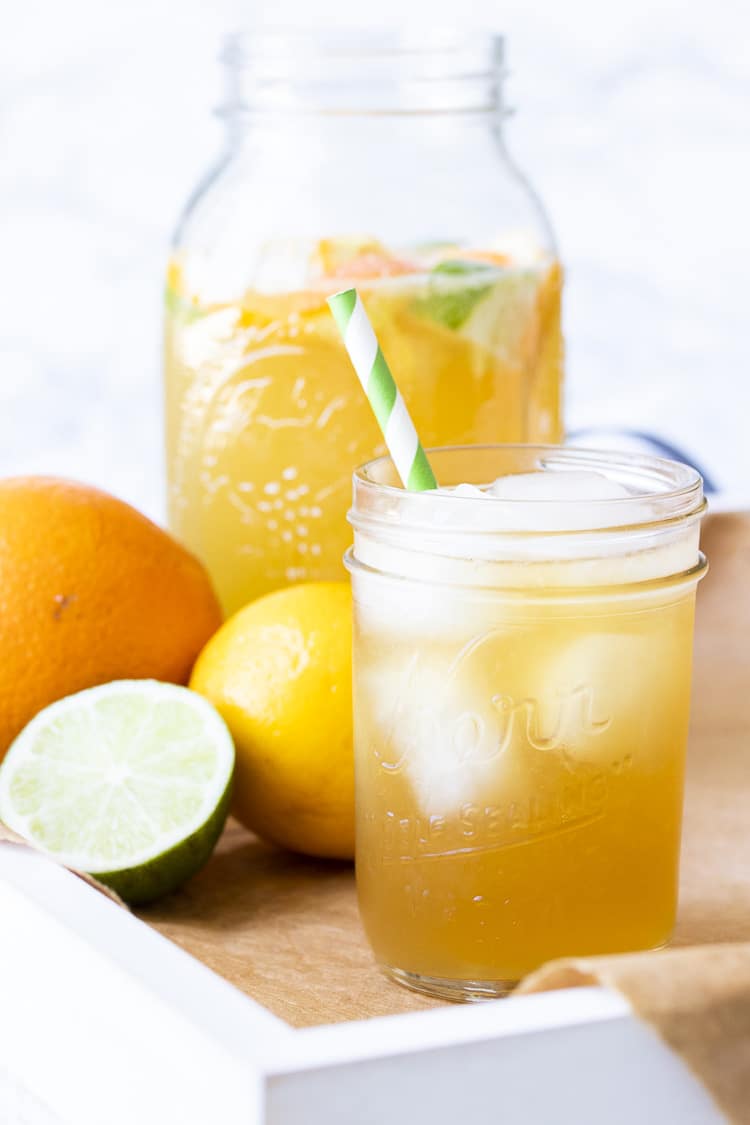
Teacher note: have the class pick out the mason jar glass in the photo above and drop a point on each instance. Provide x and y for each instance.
(373, 160)
(521, 692)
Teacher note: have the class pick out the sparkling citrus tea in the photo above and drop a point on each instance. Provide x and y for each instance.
(264, 419)
(522, 674)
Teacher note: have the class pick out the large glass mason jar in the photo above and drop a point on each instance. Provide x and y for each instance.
(374, 161)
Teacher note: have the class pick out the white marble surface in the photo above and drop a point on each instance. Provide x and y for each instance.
(633, 123)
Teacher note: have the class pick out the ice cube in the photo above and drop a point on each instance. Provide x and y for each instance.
(444, 733)
(564, 500)
(468, 490)
(281, 264)
(593, 693)
(571, 485)
(548, 500)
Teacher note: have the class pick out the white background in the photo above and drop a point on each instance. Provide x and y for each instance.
(633, 123)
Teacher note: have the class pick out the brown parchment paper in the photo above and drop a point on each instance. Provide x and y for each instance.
(285, 929)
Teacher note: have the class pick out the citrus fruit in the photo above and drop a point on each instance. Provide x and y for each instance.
(128, 781)
(361, 258)
(90, 591)
(279, 672)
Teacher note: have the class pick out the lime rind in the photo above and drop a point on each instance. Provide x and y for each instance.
(491, 306)
(454, 289)
(168, 871)
(129, 781)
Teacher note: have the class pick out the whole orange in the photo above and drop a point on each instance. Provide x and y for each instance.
(90, 591)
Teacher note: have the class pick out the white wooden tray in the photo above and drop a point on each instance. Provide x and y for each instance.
(105, 1022)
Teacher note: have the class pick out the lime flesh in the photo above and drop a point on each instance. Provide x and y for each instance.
(129, 781)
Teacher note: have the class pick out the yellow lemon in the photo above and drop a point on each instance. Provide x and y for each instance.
(279, 672)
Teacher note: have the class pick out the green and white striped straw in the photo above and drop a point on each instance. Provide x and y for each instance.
(381, 390)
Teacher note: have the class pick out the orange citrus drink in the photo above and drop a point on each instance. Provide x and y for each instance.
(522, 683)
(265, 418)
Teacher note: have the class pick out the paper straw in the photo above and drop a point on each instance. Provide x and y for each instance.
(381, 390)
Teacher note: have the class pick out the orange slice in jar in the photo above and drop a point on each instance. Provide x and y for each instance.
(356, 259)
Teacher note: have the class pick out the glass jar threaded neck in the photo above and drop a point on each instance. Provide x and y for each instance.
(355, 72)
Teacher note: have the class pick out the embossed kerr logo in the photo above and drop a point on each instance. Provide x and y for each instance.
(447, 732)
(463, 735)
(528, 720)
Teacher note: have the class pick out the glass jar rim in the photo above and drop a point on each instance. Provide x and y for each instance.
(361, 71)
(269, 43)
(676, 494)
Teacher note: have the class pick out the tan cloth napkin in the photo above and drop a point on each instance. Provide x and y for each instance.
(697, 999)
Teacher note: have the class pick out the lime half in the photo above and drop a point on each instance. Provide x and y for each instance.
(129, 782)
